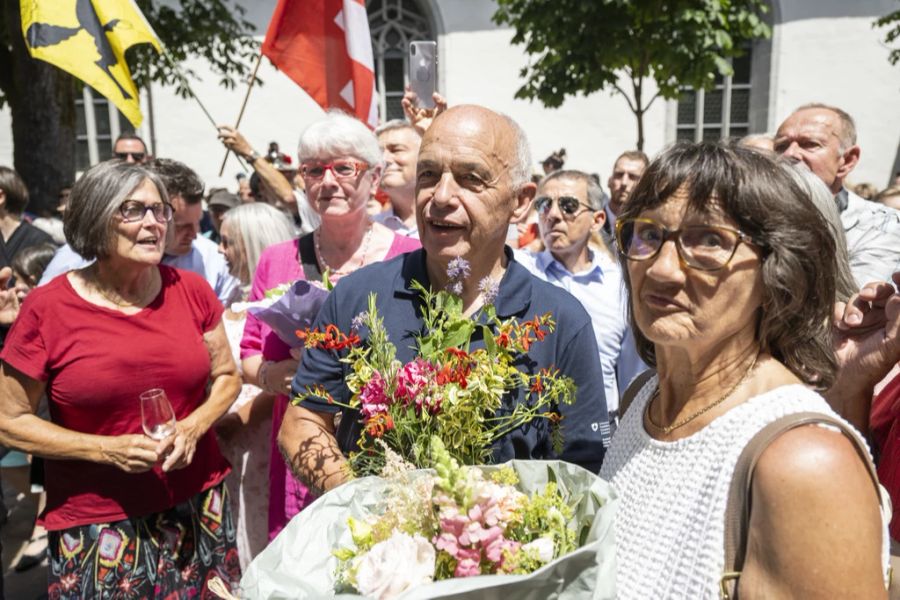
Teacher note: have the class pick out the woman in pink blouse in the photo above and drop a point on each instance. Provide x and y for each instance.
(341, 163)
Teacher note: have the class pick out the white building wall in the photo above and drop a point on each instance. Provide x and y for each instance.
(482, 67)
(843, 62)
(276, 111)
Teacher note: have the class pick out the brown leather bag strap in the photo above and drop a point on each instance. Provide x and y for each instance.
(737, 511)
(632, 390)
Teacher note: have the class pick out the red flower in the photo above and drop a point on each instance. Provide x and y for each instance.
(377, 424)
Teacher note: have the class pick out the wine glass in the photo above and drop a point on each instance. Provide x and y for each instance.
(157, 416)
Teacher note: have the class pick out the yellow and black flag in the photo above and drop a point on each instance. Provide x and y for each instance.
(88, 38)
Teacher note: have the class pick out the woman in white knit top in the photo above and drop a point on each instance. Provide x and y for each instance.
(731, 273)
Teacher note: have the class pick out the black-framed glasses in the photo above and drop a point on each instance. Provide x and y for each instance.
(132, 210)
(703, 247)
(568, 205)
(136, 156)
(341, 169)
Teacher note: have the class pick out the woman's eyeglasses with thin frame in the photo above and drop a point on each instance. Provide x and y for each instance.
(702, 247)
(133, 210)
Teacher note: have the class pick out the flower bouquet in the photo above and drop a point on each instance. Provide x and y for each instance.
(524, 530)
(289, 306)
(451, 390)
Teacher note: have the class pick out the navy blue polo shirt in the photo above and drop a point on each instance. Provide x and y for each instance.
(571, 348)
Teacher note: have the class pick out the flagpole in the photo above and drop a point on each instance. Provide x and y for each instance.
(243, 106)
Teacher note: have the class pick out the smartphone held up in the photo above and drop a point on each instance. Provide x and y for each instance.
(423, 72)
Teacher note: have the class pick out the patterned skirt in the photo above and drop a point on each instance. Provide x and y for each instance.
(166, 555)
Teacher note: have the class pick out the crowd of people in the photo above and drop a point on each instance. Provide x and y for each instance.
(708, 292)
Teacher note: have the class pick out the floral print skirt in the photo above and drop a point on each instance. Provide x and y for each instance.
(167, 555)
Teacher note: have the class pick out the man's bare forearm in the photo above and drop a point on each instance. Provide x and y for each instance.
(306, 440)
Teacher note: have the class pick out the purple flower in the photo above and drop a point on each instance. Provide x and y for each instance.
(359, 320)
(488, 287)
(455, 288)
(458, 269)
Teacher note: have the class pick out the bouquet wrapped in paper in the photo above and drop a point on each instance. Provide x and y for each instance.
(288, 307)
(527, 530)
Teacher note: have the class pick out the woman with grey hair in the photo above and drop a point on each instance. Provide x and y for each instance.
(246, 231)
(129, 512)
(340, 162)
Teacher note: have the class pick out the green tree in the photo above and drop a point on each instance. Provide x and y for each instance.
(583, 47)
(891, 20)
(41, 96)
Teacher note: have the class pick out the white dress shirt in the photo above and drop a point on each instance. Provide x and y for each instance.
(601, 291)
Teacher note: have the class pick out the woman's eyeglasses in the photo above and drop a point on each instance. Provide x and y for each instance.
(568, 205)
(132, 210)
(703, 247)
(341, 169)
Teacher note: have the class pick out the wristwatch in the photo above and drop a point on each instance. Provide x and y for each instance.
(253, 156)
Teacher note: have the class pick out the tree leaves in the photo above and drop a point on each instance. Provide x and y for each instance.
(578, 47)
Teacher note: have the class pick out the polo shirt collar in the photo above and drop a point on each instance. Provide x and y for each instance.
(513, 298)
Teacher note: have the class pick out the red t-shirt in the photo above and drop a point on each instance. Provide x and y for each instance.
(884, 422)
(95, 362)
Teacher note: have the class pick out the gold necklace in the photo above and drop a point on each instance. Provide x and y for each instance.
(362, 261)
(96, 285)
(678, 424)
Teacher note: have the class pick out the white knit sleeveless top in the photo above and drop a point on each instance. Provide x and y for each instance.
(670, 528)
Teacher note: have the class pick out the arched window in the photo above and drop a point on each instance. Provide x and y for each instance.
(393, 25)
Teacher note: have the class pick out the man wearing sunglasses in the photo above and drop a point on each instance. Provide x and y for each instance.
(130, 148)
(569, 205)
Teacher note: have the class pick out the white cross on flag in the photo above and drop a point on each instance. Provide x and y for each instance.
(325, 46)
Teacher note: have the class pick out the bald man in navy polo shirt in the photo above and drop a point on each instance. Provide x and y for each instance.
(472, 181)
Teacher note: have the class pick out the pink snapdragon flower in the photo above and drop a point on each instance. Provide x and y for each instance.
(413, 386)
(372, 397)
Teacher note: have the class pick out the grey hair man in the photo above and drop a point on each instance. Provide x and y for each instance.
(185, 249)
(824, 138)
(570, 212)
(472, 181)
(400, 142)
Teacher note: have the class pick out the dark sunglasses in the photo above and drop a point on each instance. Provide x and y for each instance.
(568, 205)
(138, 156)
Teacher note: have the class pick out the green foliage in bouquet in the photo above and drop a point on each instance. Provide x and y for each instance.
(449, 390)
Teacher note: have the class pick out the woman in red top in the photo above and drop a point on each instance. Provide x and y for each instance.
(128, 516)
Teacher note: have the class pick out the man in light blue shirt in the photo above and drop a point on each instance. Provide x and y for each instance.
(184, 248)
(569, 207)
(400, 142)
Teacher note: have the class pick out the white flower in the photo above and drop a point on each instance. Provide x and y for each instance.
(542, 546)
(395, 565)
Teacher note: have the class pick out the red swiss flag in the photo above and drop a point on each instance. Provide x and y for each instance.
(325, 46)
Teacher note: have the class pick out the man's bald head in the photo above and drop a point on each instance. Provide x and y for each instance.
(471, 183)
(512, 137)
